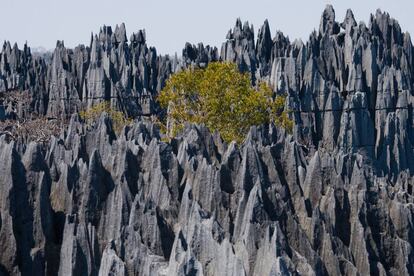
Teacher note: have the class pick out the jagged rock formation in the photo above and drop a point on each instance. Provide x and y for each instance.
(334, 198)
(129, 75)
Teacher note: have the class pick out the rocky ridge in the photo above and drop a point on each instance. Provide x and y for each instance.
(333, 198)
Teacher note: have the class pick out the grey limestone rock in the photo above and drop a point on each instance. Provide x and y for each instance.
(335, 197)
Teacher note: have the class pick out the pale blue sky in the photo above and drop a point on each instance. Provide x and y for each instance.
(169, 24)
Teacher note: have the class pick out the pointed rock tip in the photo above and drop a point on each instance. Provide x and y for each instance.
(139, 37)
(349, 19)
(265, 27)
(328, 23)
(15, 46)
(330, 9)
(95, 156)
(378, 12)
(60, 44)
(238, 22)
(120, 32)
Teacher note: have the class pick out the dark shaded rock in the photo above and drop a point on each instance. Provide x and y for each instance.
(333, 198)
(264, 48)
(2, 113)
(328, 24)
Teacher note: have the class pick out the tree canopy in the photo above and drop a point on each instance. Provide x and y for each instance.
(222, 98)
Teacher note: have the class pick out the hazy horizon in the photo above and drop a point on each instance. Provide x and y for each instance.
(170, 27)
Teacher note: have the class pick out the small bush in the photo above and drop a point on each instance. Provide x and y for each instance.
(91, 115)
(223, 99)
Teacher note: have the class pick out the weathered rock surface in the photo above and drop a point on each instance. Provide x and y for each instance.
(334, 198)
(89, 204)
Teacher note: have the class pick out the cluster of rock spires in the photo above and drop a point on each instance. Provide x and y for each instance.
(333, 198)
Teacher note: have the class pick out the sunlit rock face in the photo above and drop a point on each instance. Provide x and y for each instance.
(335, 197)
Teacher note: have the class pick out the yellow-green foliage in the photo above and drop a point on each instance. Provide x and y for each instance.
(91, 115)
(223, 99)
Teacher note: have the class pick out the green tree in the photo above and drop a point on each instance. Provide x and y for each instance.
(91, 115)
(222, 98)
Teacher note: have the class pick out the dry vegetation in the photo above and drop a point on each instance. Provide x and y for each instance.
(31, 128)
(22, 124)
(39, 130)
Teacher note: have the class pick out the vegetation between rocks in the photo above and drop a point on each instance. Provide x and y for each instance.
(222, 98)
(91, 115)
